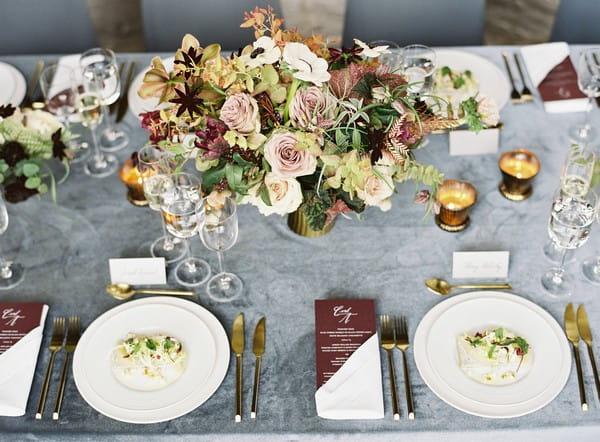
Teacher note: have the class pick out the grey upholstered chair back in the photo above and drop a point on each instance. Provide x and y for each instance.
(45, 27)
(211, 21)
(577, 21)
(430, 22)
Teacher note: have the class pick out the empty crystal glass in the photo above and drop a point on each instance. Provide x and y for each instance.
(219, 232)
(417, 66)
(588, 79)
(11, 273)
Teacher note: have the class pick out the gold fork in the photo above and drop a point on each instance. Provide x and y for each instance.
(72, 339)
(56, 343)
(388, 343)
(403, 344)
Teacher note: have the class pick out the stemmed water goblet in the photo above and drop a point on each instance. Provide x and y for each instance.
(88, 103)
(155, 171)
(219, 232)
(11, 273)
(178, 203)
(588, 80)
(59, 89)
(101, 63)
(569, 227)
(417, 65)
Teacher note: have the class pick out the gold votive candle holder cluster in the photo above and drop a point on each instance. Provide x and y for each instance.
(131, 176)
(455, 199)
(519, 167)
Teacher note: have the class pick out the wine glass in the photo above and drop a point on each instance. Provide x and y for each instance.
(88, 103)
(591, 266)
(58, 87)
(569, 227)
(392, 57)
(588, 80)
(178, 205)
(154, 169)
(418, 65)
(219, 232)
(100, 62)
(575, 180)
(11, 273)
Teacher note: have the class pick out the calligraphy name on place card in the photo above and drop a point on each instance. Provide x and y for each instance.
(16, 320)
(341, 327)
(137, 271)
(480, 264)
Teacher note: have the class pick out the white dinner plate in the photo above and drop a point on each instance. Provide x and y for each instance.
(138, 105)
(12, 85)
(437, 359)
(201, 334)
(492, 81)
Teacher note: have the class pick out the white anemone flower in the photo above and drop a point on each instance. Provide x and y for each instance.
(368, 51)
(308, 65)
(265, 51)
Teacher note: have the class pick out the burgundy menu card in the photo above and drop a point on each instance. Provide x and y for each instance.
(561, 84)
(16, 320)
(341, 327)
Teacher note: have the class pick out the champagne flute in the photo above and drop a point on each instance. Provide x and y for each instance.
(101, 63)
(569, 227)
(89, 103)
(575, 181)
(154, 169)
(588, 80)
(418, 65)
(58, 87)
(219, 232)
(11, 273)
(178, 205)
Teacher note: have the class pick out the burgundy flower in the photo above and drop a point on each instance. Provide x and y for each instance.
(215, 129)
(15, 191)
(159, 129)
(12, 152)
(339, 207)
(58, 147)
(7, 110)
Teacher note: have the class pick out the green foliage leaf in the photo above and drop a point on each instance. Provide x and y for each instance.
(264, 195)
(363, 87)
(212, 177)
(235, 175)
(446, 71)
(30, 169)
(33, 182)
(240, 161)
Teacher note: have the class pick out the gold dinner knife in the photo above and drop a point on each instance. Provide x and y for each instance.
(573, 336)
(237, 345)
(586, 334)
(258, 348)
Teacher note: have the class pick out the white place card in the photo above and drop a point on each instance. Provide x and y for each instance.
(465, 142)
(137, 271)
(480, 264)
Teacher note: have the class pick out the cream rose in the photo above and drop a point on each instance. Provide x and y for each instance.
(488, 109)
(240, 113)
(285, 160)
(309, 107)
(377, 192)
(285, 195)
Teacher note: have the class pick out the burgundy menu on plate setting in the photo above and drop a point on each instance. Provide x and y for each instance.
(341, 327)
(16, 320)
(559, 89)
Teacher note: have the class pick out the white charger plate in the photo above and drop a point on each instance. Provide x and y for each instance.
(138, 105)
(436, 355)
(200, 332)
(492, 81)
(12, 85)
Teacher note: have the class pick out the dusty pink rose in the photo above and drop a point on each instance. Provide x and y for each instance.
(240, 113)
(488, 110)
(285, 160)
(377, 192)
(339, 207)
(310, 109)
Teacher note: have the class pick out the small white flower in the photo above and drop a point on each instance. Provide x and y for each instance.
(308, 65)
(265, 51)
(368, 51)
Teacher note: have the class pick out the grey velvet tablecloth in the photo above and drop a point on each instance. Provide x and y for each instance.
(384, 256)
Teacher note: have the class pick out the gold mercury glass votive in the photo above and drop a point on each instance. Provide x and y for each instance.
(132, 178)
(519, 168)
(456, 199)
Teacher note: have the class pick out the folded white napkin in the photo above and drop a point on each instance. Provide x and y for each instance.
(17, 367)
(539, 60)
(355, 390)
(71, 62)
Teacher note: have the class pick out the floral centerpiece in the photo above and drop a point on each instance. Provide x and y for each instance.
(28, 139)
(290, 124)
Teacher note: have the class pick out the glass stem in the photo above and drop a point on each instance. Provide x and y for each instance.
(109, 130)
(596, 268)
(168, 240)
(586, 123)
(98, 157)
(5, 271)
(560, 270)
(221, 265)
(190, 264)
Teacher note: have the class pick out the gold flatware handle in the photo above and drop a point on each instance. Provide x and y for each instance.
(594, 369)
(409, 399)
(61, 389)
(238, 387)
(584, 405)
(44, 393)
(393, 385)
(483, 286)
(166, 292)
(255, 388)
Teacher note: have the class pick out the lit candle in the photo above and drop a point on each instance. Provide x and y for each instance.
(455, 199)
(518, 168)
(133, 179)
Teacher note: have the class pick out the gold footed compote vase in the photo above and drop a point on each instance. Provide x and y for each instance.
(298, 223)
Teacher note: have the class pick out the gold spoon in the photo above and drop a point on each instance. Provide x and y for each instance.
(442, 287)
(125, 291)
